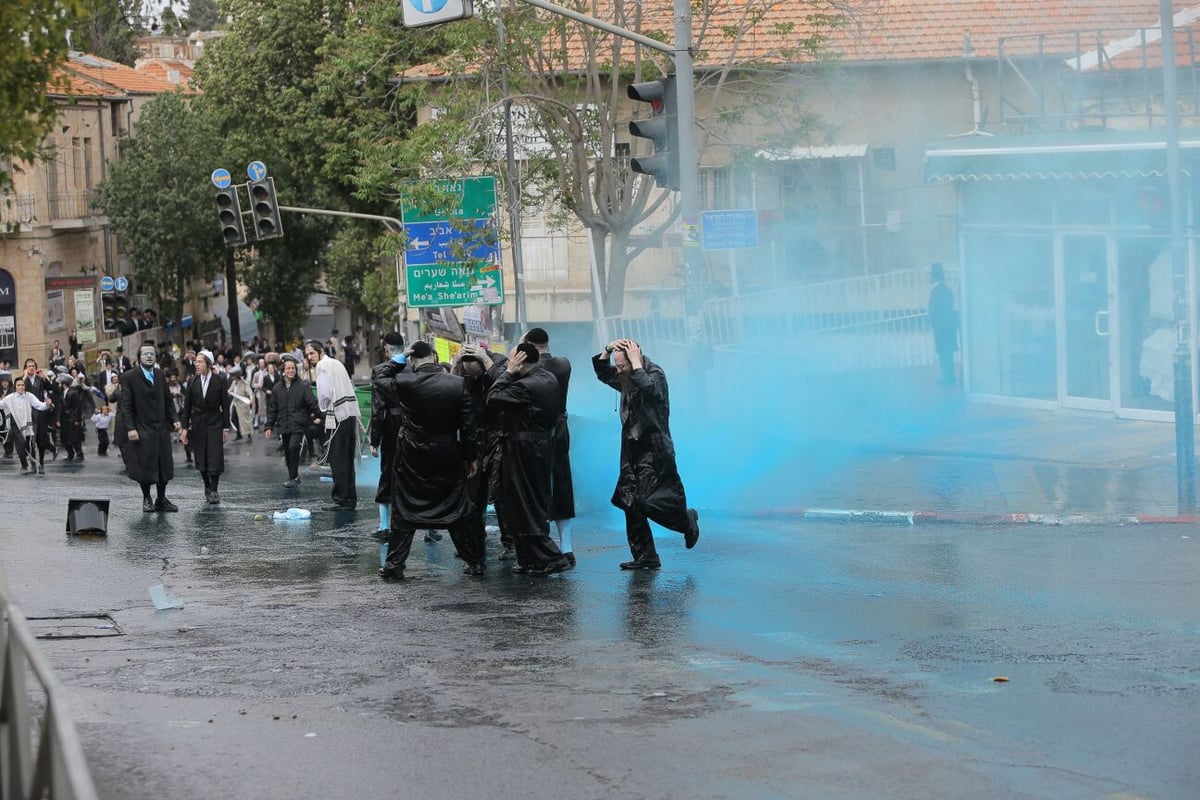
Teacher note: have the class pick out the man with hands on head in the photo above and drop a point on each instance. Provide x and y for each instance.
(648, 486)
(291, 410)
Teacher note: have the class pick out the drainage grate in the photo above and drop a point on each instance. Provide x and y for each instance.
(83, 626)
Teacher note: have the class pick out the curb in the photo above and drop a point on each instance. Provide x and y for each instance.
(913, 518)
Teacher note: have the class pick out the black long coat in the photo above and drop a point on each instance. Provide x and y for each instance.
(385, 428)
(77, 405)
(291, 409)
(147, 408)
(562, 500)
(531, 408)
(436, 439)
(649, 482)
(205, 416)
(943, 319)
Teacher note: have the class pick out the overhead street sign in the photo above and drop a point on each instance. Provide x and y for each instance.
(106, 283)
(730, 229)
(256, 171)
(418, 13)
(452, 255)
(221, 178)
(121, 283)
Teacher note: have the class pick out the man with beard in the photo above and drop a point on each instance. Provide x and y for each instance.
(147, 416)
(479, 370)
(38, 385)
(648, 487)
(205, 422)
(291, 411)
(528, 396)
(435, 455)
(339, 404)
(562, 488)
(385, 427)
(77, 406)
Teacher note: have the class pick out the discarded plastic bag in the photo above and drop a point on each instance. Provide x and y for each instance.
(163, 599)
(292, 514)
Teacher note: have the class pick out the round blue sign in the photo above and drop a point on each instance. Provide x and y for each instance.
(121, 283)
(106, 283)
(256, 171)
(428, 6)
(221, 178)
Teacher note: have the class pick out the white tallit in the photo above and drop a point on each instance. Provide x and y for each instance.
(335, 392)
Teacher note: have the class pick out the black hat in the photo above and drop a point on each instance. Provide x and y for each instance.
(393, 339)
(530, 351)
(289, 357)
(421, 350)
(537, 336)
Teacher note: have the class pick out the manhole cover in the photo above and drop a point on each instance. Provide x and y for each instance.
(84, 626)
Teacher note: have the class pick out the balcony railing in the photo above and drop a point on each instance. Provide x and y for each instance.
(72, 205)
(16, 209)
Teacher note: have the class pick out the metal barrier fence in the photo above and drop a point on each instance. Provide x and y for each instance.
(871, 322)
(37, 759)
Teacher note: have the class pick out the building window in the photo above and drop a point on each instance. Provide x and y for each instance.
(884, 158)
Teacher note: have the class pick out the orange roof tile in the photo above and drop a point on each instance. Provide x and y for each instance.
(117, 75)
(162, 68)
(904, 30)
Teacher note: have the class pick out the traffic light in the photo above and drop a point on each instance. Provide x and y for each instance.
(114, 310)
(229, 209)
(264, 209)
(662, 128)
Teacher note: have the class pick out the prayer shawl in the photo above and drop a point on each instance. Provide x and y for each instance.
(335, 392)
(17, 406)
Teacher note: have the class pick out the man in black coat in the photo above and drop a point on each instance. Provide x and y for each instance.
(205, 421)
(479, 370)
(148, 413)
(529, 397)
(38, 384)
(435, 455)
(648, 487)
(291, 411)
(562, 487)
(385, 427)
(943, 321)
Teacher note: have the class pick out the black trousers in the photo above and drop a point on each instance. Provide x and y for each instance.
(536, 550)
(101, 441)
(23, 445)
(291, 453)
(467, 542)
(342, 446)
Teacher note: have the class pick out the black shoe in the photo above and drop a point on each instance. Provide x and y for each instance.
(433, 536)
(693, 534)
(569, 556)
(338, 507)
(41, 469)
(80, 457)
(291, 483)
(520, 569)
(69, 458)
(381, 535)
(636, 564)
(391, 573)
(556, 566)
(214, 499)
(509, 554)
(148, 506)
(475, 570)
(163, 504)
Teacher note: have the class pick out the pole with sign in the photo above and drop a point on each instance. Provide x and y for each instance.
(419, 13)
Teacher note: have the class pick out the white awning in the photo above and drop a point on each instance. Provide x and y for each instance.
(806, 152)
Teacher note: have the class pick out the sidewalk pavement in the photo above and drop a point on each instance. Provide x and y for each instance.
(910, 451)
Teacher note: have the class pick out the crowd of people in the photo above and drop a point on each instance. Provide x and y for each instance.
(486, 429)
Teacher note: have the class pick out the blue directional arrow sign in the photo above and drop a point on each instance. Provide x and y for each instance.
(417, 13)
(106, 283)
(256, 170)
(121, 283)
(441, 242)
(221, 178)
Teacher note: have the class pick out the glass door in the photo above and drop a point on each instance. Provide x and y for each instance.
(1145, 329)
(1085, 372)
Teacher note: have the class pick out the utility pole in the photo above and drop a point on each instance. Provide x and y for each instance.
(1185, 437)
(511, 184)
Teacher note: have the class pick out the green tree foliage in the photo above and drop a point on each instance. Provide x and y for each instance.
(203, 15)
(158, 198)
(111, 28)
(33, 44)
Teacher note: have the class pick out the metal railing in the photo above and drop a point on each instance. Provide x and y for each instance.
(16, 208)
(73, 205)
(868, 322)
(37, 759)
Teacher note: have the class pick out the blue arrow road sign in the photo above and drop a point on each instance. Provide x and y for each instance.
(121, 283)
(106, 283)
(256, 171)
(441, 242)
(221, 178)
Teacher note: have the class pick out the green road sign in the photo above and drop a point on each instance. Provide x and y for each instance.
(454, 284)
(456, 198)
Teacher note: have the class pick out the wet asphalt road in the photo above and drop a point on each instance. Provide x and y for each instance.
(777, 659)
